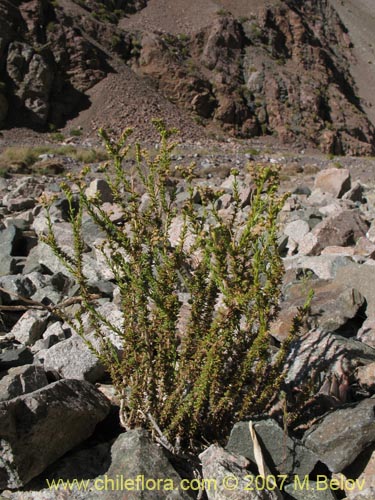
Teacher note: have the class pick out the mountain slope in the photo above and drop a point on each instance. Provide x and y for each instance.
(250, 68)
(359, 18)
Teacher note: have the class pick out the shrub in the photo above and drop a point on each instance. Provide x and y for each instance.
(75, 132)
(221, 366)
(57, 136)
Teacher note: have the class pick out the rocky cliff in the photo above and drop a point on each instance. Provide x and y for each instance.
(282, 69)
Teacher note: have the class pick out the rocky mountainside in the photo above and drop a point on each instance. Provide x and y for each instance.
(246, 68)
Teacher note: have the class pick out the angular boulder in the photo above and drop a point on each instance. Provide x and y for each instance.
(335, 181)
(72, 359)
(38, 428)
(22, 380)
(343, 434)
(288, 455)
(134, 455)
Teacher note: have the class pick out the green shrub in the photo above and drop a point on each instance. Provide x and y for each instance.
(25, 154)
(90, 155)
(75, 132)
(193, 383)
(57, 136)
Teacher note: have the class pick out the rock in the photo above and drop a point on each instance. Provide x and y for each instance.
(72, 359)
(8, 239)
(371, 232)
(21, 221)
(38, 428)
(340, 229)
(20, 204)
(296, 230)
(15, 357)
(362, 278)
(336, 250)
(135, 453)
(49, 289)
(245, 189)
(41, 258)
(342, 435)
(366, 333)
(16, 285)
(334, 308)
(87, 461)
(54, 333)
(335, 181)
(31, 326)
(365, 248)
(365, 375)
(100, 187)
(365, 479)
(218, 465)
(32, 80)
(355, 193)
(312, 492)
(288, 455)
(319, 199)
(22, 380)
(325, 266)
(318, 351)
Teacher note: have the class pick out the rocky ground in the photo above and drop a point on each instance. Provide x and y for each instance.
(58, 412)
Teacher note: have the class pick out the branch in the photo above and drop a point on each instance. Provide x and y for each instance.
(33, 304)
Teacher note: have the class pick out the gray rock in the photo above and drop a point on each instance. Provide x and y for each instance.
(100, 187)
(318, 199)
(72, 359)
(245, 188)
(32, 79)
(371, 232)
(361, 277)
(296, 230)
(335, 181)
(288, 455)
(325, 266)
(340, 229)
(365, 482)
(355, 193)
(309, 490)
(38, 428)
(320, 351)
(22, 380)
(342, 435)
(15, 357)
(334, 306)
(31, 326)
(18, 285)
(135, 453)
(54, 334)
(19, 204)
(366, 333)
(49, 289)
(40, 258)
(22, 221)
(365, 375)
(8, 237)
(218, 465)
